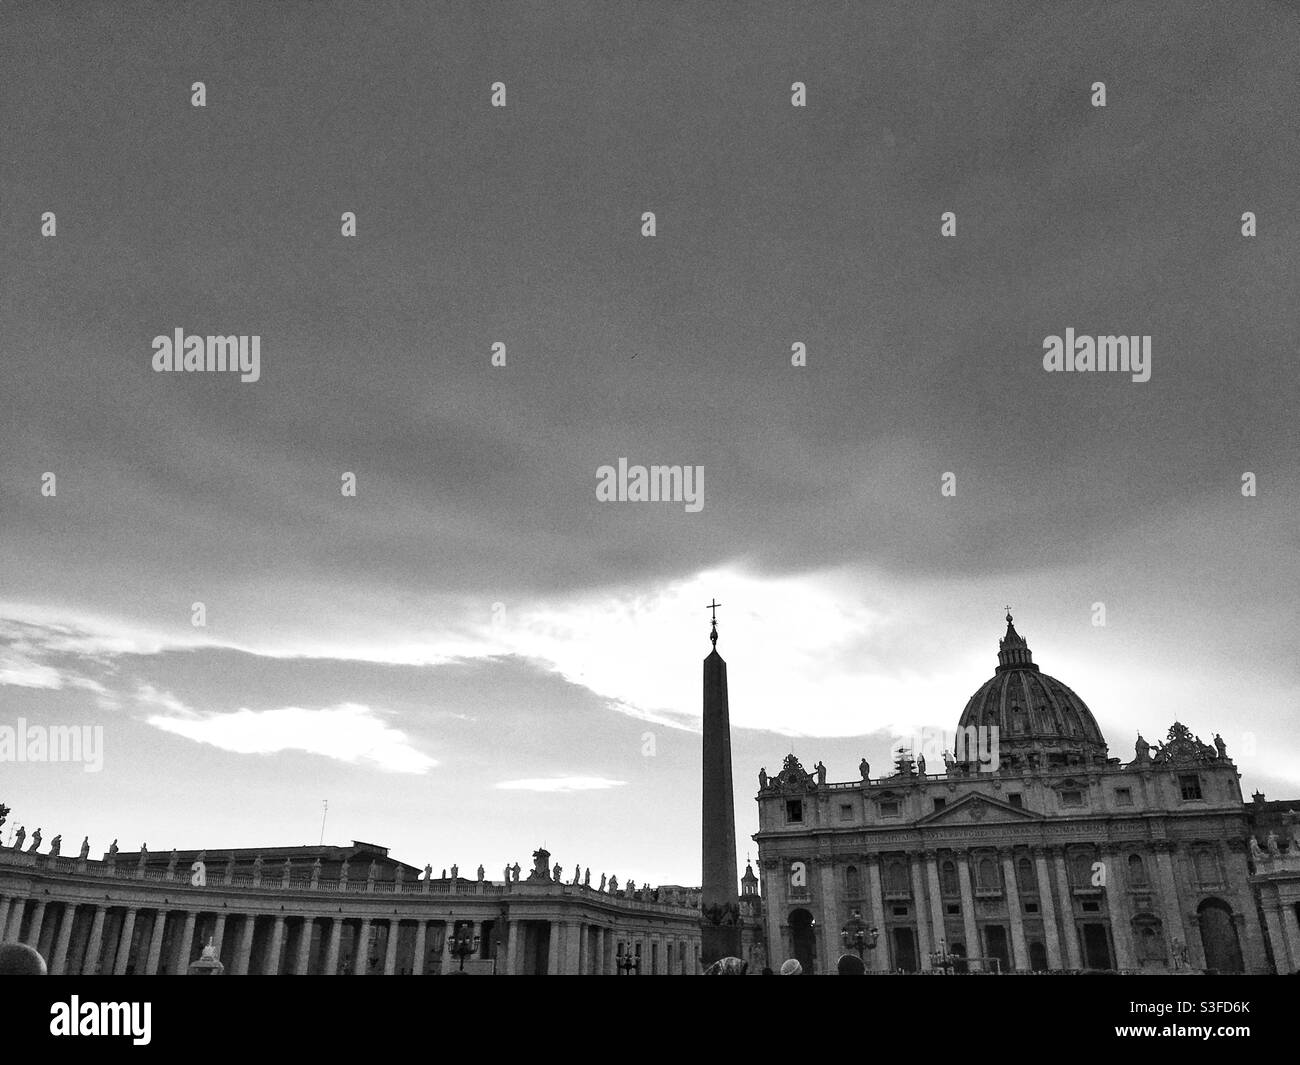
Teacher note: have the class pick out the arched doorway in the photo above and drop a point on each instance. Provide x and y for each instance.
(1219, 937)
(803, 941)
(1037, 956)
(959, 962)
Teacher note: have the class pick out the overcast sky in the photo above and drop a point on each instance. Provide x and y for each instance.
(475, 655)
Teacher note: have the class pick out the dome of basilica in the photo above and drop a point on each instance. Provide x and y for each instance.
(1040, 721)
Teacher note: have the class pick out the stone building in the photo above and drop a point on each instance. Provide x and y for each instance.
(334, 910)
(1275, 876)
(1033, 850)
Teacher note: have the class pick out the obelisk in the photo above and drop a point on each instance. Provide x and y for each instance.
(719, 912)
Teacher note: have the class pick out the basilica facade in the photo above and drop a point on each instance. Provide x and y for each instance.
(1033, 850)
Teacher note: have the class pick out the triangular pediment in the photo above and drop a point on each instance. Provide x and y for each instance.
(975, 809)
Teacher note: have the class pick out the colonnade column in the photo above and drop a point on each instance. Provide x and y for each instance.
(10, 935)
(5, 903)
(553, 967)
(59, 960)
(303, 962)
(390, 954)
(156, 943)
(124, 943)
(187, 941)
(974, 950)
(272, 964)
(219, 935)
(95, 944)
(417, 963)
(572, 947)
(34, 926)
(361, 955)
(332, 951)
(244, 952)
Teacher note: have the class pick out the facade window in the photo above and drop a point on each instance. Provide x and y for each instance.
(953, 910)
(1190, 786)
(987, 875)
(1092, 907)
(1207, 869)
(852, 882)
(846, 812)
(939, 804)
(1137, 872)
(1123, 796)
(948, 878)
(794, 811)
(1015, 799)
(1025, 877)
(1031, 907)
(900, 911)
(1072, 798)
(896, 879)
(889, 808)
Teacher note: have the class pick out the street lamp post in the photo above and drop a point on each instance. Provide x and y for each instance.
(858, 935)
(942, 961)
(628, 963)
(462, 946)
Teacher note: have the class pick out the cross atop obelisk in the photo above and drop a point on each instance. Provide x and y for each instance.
(714, 634)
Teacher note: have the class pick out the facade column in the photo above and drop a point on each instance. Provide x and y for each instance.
(1116, 890)
(831, 923)
(417, 965)
(1011, 891)
(774, 906)
(34, 926)
(877, 959)
(936, 898)
(303, 961)
(245, 951)
(361, 955)
(974, 951)
(922, 920)
(1172, 904)
(332, 951)
(187, 941)
(1290, 938)
(1068, 928)
(155, 943)
(390, 954)
(59, 960)
(5, 903)
(1050, 932)
(124, 943)
(271, 967)
(90, 966)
